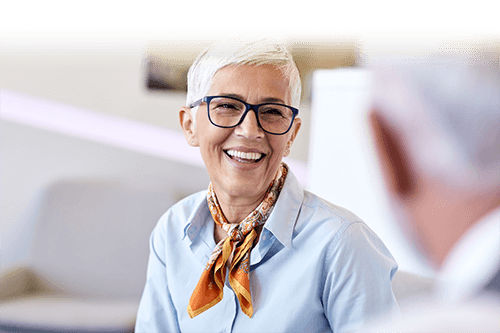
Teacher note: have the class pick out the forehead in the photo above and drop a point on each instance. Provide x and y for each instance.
(253, 83)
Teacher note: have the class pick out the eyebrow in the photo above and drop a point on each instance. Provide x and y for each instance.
(265, 100)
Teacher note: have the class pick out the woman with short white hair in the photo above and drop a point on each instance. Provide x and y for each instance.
(257, 253)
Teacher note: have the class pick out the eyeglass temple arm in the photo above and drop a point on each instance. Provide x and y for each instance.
(197, 103)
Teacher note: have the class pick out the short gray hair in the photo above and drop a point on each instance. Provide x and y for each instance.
(446, 109)
(240, 52)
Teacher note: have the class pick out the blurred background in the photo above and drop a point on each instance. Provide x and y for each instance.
(91, 151)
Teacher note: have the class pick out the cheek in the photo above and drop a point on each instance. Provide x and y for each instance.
(212, 139)
(278, 147)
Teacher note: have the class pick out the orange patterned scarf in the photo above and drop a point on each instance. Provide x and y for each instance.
(239, 243)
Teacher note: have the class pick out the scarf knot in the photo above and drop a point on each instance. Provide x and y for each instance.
(236, 233)
(239, 243)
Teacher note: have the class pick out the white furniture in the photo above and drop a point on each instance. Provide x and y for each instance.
(88, 260)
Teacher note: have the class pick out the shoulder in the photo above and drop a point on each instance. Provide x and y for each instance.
(345, 233)
(322, 206)
(314, 220)
(318, 212)
(302, 210)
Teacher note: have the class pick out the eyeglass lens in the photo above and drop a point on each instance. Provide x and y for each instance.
(227, 112)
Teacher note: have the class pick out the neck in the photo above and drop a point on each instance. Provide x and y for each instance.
(444, 215)
(236, 208)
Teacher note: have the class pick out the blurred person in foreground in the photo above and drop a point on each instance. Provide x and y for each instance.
(436, 126)
(257, 253)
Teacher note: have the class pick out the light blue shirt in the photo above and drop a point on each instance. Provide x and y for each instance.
(316, 268)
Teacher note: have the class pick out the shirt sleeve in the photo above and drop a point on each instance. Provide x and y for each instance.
(358, 274)
(156, 311)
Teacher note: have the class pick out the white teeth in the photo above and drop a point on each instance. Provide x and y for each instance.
(246, 156)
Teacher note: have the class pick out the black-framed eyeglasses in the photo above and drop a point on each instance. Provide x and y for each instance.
(228, 112)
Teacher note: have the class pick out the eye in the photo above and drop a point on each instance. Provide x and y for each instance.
(271, 111)
(226, 106)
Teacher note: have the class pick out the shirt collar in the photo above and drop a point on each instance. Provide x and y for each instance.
(280, 223)
(198, 216)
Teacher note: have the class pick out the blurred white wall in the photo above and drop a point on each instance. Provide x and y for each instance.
(38, 147)
(43, 84)
(343, 167)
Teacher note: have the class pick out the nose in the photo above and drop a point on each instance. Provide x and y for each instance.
(249, 127)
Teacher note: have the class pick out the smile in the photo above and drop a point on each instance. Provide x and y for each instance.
(244, 157)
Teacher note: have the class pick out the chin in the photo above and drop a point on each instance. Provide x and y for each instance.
(245, 188)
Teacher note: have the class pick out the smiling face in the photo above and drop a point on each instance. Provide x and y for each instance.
(242, 161)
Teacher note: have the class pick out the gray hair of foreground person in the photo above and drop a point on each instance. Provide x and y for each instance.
(446, 112)
(220, 55)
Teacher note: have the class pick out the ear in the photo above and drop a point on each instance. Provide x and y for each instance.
(294, 131)
(188, 126)
(394, 161)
